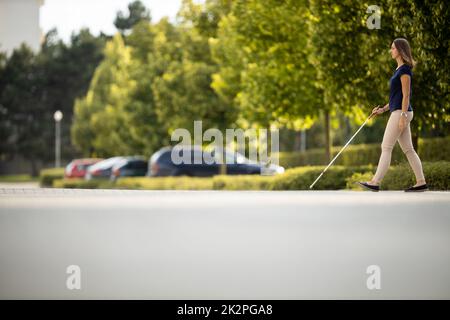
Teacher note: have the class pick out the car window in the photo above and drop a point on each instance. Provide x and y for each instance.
(82, 167)
(137, 164)
(192, 153)
(165, 157)
(120, 163)
(69, 167)
(141, 165)
(105, 163)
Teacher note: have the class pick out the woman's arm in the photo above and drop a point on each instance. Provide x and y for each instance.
(379, 110)
(406, 82)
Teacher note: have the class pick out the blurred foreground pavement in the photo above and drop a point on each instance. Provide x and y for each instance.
(19, 185)
(223, 244)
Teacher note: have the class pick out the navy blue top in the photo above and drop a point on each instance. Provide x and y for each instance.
(396, 95)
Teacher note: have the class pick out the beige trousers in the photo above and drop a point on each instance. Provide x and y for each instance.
(392, 134)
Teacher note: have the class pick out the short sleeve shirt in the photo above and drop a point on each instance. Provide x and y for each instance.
(395, 84)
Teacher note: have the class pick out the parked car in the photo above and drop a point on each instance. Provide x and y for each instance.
(130, 167)
(162, 164)
(77, 167)
(102, 169)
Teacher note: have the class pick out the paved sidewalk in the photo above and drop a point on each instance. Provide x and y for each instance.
(19, 185)
(223, 244)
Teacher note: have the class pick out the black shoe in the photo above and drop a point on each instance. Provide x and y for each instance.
(369, 186)
(421, 188)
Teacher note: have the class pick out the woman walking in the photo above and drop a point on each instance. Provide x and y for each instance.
(398, 126)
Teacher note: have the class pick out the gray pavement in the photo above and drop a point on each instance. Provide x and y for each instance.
(19, 185)
(223, 244)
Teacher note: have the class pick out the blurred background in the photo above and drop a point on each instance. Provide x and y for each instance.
(90, 80)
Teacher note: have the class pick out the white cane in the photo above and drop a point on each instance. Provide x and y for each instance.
(341, 151)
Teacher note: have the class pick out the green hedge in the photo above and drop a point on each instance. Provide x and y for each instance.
(166, 183)
(354, 156)
(17, 178)
(358, 176)
(47, 176)
(80, 183)
(401, 177)
(301, 178)
(292, 179)
(436, 173)
(219, 182)
(335, 178)
(242, 182)
(435, 149)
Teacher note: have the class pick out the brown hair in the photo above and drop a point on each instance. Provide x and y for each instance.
(404, 50)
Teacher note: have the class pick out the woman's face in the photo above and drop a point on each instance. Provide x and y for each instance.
(394, 51)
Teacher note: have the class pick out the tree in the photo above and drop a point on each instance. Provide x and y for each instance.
(147, 131)
(118, 114)
(25, 120)
(4, 123)
(34, 86)
(354, 64)
(136, 12)
(425, 25)
(347, 56)
(66, 71)
(264, 69)
(183, 92)
(99, 116)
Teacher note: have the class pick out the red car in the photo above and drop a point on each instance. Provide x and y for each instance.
(77, 168)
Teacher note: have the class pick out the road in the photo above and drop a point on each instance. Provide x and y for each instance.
(224, 244)
(19, 185)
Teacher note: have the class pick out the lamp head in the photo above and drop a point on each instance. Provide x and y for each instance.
(58, 116)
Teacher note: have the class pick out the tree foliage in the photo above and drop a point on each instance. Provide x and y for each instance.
(136, 12)
(34, 85)
(229, 63)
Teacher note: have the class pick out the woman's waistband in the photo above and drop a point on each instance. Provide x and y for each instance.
(399, 110)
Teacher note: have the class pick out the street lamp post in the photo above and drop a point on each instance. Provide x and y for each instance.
(58, 117)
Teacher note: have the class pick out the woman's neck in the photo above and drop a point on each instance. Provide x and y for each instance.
(399, 62)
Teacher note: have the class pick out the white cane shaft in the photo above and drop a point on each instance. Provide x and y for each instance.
(332, 161)
(316, 180)
(345, 146)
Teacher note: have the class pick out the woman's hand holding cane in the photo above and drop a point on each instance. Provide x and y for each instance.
(376, 111)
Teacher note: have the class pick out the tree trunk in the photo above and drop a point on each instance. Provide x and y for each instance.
(223, 165)
(303, 140)
(327, 137)
(223, 168)
(34, 169)
(297, 141)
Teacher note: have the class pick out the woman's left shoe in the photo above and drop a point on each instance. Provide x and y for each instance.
(369, 186)
(420, 188)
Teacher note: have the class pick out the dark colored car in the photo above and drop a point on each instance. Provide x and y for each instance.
(130, 167)
(77, 167)
(102, 169)
(162, 163)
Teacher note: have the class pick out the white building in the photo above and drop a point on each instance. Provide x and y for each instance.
(19, 22)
